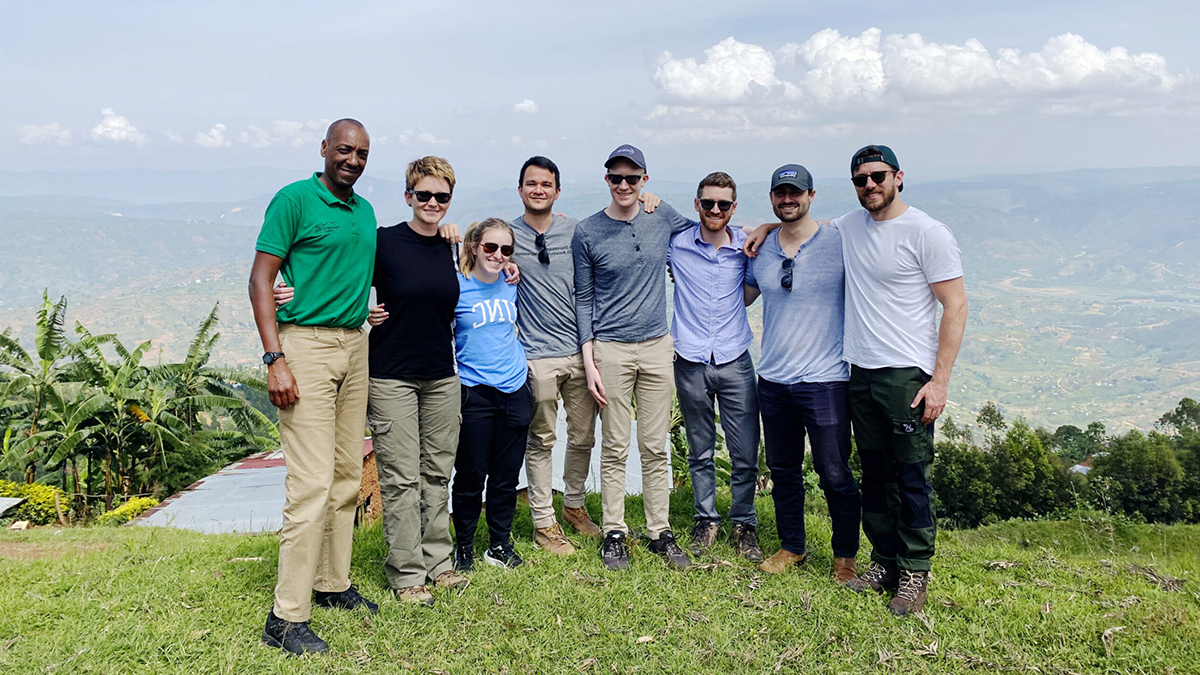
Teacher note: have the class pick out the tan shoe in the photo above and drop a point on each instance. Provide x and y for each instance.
(415, 594)
(781, 561)
(582, 522)
(845, 573)
(451, 580)
(553, 540)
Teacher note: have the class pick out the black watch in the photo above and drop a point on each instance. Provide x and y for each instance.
(272, 357)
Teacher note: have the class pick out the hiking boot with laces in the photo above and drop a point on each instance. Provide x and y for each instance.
(451, 580)
(744, 538)
(880, 579)
(704, 535)
(666, 547)
(293, 637)
(910, 599)
(502, 555)
(579, 519)
(415, 594)
(347, 599)
(553, 540)
(464, 558)
(614, 552)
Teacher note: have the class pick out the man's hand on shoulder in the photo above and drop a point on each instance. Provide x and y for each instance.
(650, 201)
(755, 236)
(512, 273)
(449, 232)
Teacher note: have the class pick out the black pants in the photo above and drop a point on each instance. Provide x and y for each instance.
(491, 449)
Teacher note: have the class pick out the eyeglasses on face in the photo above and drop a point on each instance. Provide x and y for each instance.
(632, 179)
(877, 177)
(543, 254)
(506, 250)
(786, 280)
(425, 195)
(723, 204)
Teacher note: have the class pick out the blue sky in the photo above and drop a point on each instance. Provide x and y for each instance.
(956, 88)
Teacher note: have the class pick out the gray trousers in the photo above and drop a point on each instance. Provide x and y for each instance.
(414, 427)
(699, 387)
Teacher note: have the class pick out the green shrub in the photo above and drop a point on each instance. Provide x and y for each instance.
(127, 511)
(38, 507)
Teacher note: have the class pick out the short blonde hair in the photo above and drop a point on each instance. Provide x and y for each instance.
(428, 166)
(474, 237)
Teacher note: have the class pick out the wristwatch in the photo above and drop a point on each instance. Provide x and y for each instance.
(272, 357)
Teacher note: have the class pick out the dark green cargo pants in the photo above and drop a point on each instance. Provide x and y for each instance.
(896, 453)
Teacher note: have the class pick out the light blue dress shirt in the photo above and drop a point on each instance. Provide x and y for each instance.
(710, 324)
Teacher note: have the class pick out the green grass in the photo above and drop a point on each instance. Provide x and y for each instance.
(1029, 597)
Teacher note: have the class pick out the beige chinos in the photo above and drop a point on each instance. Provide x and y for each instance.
(550, 378)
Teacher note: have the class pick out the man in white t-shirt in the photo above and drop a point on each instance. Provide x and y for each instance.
(900, 265)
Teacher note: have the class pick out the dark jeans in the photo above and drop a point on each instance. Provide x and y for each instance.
(896, 452)
(732, 385)
(491, 449)
(822, 410)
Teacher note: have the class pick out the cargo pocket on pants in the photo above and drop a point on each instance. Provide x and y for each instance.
(912, 440)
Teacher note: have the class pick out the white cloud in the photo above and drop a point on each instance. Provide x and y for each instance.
(294, 135)
(117, 129)
(173, 137)
(214, 138)
(526, 107)
(832, 80)
(48, 134)
(516, 142)
(429, 139)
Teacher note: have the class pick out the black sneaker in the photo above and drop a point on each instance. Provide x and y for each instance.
(295, 638)
(745, 539)
(666, 547)
(502, 555)
(464, 558)
(347, 599)
(613, 551)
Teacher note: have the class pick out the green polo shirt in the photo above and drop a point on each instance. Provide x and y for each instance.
(328, 251)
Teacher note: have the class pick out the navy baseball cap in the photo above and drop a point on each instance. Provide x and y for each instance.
(628, 152)
(875, 153)
(794, 175)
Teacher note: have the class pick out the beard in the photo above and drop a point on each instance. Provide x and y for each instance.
(888, 194)
(801, 211)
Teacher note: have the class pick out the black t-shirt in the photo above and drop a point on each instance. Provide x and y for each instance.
(417, 283)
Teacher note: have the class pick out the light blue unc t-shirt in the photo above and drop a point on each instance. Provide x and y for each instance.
(485, 335)
(802, 328)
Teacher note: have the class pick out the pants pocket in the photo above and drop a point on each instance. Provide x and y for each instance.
(913, 442)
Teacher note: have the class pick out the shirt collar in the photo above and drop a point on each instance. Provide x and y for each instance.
(327, 196)
(736, 237)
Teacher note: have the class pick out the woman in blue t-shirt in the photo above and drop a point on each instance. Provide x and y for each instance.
(496, 404)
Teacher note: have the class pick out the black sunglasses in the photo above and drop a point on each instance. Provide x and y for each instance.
(425, 195)
(724, 204)
(491, 247)
(877, 178)
(632, 179)
(786, 280)
(543, 254)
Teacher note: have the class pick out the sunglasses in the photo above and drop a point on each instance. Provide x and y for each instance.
(876, 177)
(491, 247)
(632, 179)
(543, 254)
(724, 204)
(786, 280)
(425, 195)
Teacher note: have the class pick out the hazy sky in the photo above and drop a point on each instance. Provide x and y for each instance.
(956, 88)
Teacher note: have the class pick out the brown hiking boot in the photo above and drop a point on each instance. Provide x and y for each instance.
(910, 599)
(704, 535)
(451, 580)
(415, 594)
(744, 538)
(845, 573)
(781, 561)
(582, 522)
(879, 578)
(553, 540)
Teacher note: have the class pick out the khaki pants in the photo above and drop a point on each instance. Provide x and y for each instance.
(548, 379)
(322, 439)
(414, 428)
(641, 369)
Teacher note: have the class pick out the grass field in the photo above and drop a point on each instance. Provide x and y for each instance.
(1075, 596)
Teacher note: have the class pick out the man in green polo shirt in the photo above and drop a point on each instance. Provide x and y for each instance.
(321, 236)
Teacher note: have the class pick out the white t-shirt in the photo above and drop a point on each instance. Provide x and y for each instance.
(891, 313)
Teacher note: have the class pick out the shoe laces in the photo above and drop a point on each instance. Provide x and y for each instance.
(613, 545)
(749, 538)
(555, 534)
(910, 585)
(352, 596)
(875, 572)
(301, 630)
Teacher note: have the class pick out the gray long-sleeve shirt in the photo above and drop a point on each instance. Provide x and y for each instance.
(620, 267)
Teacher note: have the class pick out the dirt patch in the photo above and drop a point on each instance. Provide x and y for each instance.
(23, 550)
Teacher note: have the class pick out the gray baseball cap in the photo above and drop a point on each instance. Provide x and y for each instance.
(628, 152)
(794, 175)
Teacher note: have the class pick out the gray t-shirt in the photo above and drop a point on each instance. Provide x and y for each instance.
(546, 294)
(620, 275)
(802, 328)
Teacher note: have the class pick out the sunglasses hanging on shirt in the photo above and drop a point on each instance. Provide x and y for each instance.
(543, 254)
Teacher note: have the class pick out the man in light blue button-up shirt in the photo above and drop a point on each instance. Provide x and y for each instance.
(712, 364)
